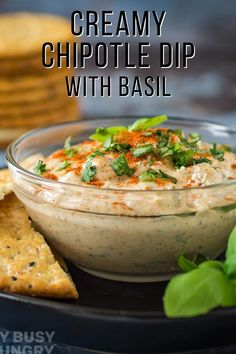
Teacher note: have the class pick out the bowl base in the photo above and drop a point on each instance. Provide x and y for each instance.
(130, 278)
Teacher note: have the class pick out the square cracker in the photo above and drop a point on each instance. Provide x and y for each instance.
(27, 265)
(5, 183)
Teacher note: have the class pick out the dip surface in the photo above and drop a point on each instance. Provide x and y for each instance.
(140, 157)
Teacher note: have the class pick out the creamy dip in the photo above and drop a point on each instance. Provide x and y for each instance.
(140, 159)
(133, 199)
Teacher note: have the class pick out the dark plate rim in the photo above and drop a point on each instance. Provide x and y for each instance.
(75, 310)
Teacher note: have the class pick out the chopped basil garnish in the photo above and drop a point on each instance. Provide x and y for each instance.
(193, 139)
(184, 158)
(110, 145)
(201, 160)
(218, 154)
(40, 167)
(120, 166)
(145, 123)
(63, 166)
(96, 153)
(68, 150)
(142, 150)
(151, 175)
(122, 147)
(89, 172)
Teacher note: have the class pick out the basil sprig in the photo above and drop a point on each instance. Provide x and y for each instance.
(102, 134)
(203, 287)
(120, 166)
(145, 123)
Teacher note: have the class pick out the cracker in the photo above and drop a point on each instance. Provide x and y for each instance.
(5, 183)
(33, 96)
(33, 82)
(65, 112)
(37, 107)
(27, 265)
(22, 34)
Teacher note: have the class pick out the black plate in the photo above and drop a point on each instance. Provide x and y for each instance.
(117, 317)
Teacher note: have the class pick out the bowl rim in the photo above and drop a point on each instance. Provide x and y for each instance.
(11, 160)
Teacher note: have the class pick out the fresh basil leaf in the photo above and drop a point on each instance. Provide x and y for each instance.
(103, 133)
(230, 262)
(218, 154)
(231, 246)
(145, 123)
(89, 172)
(120, 166)
(212, 264)
(40, 167)
(142, 150)
(63, 166)
(185, 264)
(197, 292)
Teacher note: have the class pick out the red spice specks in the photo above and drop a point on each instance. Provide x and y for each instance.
(50, 176)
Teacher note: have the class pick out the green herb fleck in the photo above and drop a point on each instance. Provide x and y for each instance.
(96, 153)
(193, 139)
(110, 145)
(184, 158)
(201, 160)
(218, 154)
(120, 166)
(40, 167)
(142, 150)
(68, 150)
(63, 166)
(89, 172)
(151, 175)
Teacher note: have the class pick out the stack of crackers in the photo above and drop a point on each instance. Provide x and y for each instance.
(31, 95)
(27, 265)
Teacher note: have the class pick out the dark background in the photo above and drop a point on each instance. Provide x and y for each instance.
(207, 89)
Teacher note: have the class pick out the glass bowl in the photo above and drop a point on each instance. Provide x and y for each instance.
(125, 235)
